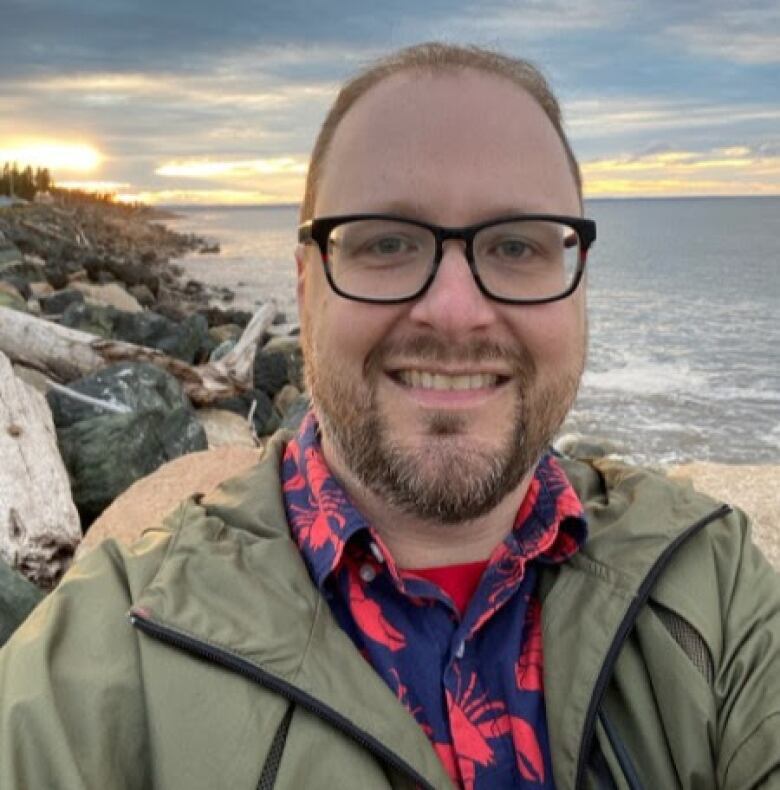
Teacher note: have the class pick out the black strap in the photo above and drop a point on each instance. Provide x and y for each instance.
(274, 759)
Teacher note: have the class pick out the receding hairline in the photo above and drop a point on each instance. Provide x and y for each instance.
(433, 59)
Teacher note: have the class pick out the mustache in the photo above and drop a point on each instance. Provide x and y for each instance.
(431, 348)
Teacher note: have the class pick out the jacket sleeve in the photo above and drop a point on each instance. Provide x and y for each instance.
(747, 684)
(71, 700)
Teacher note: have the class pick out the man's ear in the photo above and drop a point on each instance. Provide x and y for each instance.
(300, 266)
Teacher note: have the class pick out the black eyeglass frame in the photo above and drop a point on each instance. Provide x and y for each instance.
(318, 231)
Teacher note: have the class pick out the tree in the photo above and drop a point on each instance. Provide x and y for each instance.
(42, 179)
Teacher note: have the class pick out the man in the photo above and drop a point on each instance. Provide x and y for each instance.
(412, 591)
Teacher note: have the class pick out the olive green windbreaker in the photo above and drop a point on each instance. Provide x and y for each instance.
(204, 658)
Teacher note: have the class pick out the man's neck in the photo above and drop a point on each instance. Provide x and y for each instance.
(419, 543)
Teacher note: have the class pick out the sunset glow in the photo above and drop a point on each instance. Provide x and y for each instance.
(209, 169)
(57, 156)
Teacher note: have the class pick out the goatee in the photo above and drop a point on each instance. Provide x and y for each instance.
(452, 478)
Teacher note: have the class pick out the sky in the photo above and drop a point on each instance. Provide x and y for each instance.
(204, 102)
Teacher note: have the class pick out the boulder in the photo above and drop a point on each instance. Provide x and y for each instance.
(295, 413)
(271, 371)
(186, 340)
(89, 318)
(59, 302)
(56, 275)
(10, 255)
(118, 389)
(21, 285)
(39, 290)
(142, 294)
(28, 269)
(183, 340)
(265, 418)
(106, 455)
(225, 428)
(110, 295)
(285, 398)
(133, 418)
(223, 332)
(18, 597)
(290, 347)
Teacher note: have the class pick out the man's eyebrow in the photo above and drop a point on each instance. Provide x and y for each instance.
(420, 211)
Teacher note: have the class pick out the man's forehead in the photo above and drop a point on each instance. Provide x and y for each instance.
(420, 130)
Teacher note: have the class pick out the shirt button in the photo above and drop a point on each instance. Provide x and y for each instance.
(367, 573)
(460, 650)
(376, 551)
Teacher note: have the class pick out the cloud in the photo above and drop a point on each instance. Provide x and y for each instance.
(284, 165)
(728, 170)
(746, 33)
(599, 117)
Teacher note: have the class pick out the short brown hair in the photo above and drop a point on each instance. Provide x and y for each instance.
(434, 58)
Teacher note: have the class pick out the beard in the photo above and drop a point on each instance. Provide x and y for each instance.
(450, 477)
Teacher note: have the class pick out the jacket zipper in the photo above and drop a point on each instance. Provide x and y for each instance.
(624, 629)
(249, 670)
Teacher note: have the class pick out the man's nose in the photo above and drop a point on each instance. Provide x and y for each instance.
(453, 303)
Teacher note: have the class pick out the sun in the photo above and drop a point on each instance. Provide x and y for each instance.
(54, 155)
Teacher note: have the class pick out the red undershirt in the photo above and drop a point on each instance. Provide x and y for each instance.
(458, 581)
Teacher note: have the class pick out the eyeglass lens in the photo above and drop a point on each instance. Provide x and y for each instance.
(391, 259)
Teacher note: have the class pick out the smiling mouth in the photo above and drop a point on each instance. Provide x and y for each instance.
(426, 380)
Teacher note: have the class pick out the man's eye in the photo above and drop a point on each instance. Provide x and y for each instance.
(390, 245)
(511, 248)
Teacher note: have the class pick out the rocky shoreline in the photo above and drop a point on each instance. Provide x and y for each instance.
(99, 281)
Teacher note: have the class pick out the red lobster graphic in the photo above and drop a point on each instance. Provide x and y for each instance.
(476, 720)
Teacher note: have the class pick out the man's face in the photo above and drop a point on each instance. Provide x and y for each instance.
(387, 381)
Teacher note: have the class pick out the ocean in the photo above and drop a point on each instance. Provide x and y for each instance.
(684, 299)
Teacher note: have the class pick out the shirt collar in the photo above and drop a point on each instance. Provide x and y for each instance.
(550, 523)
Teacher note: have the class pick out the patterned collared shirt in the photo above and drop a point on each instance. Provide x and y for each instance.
(472, 682)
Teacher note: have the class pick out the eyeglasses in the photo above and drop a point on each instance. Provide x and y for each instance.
(383, 259)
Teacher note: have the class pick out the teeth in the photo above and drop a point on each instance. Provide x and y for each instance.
(421, 379)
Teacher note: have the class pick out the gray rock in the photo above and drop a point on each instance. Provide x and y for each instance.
(18, 598)
(106, 455)
(18, 267)
(9, 254)
(219, 334)
(59, 302)
(271, 371)
(21, 285)
(126, 386)
(90, 318)
(291, 348)
(265, 417)
(56, 275)
(186, 340)
(296, 412)
(107, 451)
(142, 293)
(181, 340)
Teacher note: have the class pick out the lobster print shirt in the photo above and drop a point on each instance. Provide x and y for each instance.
(473, 681)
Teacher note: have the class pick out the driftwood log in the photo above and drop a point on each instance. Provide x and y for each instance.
(39, 524)
(65, 354)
